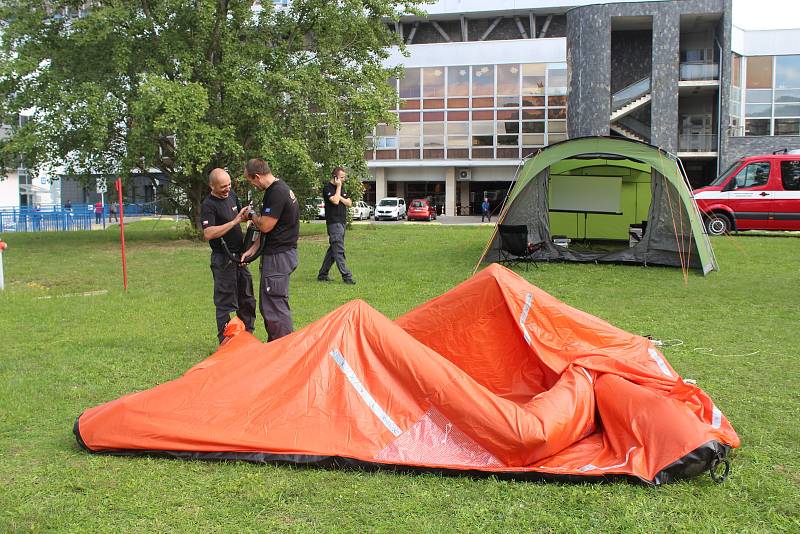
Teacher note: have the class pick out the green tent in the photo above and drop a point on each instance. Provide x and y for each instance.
(603, 188)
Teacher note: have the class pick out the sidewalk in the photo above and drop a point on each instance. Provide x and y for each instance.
(463, 219)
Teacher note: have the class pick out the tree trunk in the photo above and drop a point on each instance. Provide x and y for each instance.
(195, 200)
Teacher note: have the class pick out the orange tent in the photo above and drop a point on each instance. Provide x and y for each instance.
(494, 376)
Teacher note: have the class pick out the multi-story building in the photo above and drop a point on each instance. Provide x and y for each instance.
(489, 84)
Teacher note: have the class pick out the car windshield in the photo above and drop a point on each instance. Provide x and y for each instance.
(418, 204)
(724, 176)
(388, 202)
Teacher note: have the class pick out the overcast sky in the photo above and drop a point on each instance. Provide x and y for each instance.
(766, 14)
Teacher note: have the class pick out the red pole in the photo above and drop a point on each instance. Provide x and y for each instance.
(122, 233)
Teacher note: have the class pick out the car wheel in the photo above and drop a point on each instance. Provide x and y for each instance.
(718, 224)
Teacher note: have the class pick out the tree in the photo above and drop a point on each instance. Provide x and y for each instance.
(183, 86)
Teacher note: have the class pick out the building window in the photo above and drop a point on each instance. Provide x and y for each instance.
(787, 72)
(433, 82)
(478, 111)
(756, 127)
(458, 83)
(736, 97)
(759, 72)
(482, 81)
(409, 84)
(787, 126)
(772, 95)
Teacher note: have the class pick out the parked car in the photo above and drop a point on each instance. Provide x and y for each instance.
(390, 208)
(419, 209)
(359, 210)
(755, 193)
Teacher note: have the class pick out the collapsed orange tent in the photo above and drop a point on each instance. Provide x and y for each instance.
(495, 376)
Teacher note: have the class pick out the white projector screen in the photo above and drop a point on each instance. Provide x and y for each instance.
(593, 194)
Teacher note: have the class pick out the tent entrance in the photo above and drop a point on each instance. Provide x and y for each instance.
(598, 204)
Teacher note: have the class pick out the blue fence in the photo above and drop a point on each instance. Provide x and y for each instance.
(54, 218)
(44, 221)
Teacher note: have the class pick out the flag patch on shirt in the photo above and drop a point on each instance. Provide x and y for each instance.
(267, 210)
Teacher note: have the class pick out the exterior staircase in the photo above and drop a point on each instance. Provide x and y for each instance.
(626, 101)
(626, 133)
(629, 108)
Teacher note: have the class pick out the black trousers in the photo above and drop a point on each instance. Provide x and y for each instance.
(233, 292)
(335, 253)
(276, 269)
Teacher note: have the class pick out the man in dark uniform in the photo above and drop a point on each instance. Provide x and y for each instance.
(337, 202)
(279, 224)
(221, 214)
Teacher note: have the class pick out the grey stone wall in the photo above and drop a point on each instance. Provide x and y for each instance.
(740, 147)
(589, 60)
(723, 37)
(665, 77)
(631, 57)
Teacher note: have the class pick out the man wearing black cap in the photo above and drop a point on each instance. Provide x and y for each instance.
(221, 214)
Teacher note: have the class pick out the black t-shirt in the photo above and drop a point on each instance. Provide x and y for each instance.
(218, 211)
(334, 213)
(280, 203)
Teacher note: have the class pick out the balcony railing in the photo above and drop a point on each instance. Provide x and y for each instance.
(625, 96)
(697, 143)
(694, 71)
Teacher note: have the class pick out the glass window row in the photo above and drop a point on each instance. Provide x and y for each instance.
(507, 80)
(769, 101)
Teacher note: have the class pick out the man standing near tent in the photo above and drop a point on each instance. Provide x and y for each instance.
(221, 214)
(336, 203)
(279, 224)
(485, 210)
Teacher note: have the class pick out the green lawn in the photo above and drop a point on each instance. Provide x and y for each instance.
(735, 332)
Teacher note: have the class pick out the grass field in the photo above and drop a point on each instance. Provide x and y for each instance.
(735, 332)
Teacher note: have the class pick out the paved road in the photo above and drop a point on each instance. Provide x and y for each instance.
(442, 219)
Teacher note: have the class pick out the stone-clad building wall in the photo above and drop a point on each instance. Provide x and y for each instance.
(588, 53)
(723, 39)
(740, 147)
(589, 60)
(666, 74)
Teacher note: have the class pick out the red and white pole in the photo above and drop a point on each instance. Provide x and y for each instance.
(118, 185)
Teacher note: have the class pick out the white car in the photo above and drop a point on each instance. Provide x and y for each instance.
(315, 208)
(390, 208)
(360, 211)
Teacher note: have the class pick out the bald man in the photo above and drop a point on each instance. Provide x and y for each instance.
(221, 215)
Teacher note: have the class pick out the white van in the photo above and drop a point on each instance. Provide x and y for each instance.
(390, 208)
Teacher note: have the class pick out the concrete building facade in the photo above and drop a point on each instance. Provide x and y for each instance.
(487, 85)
